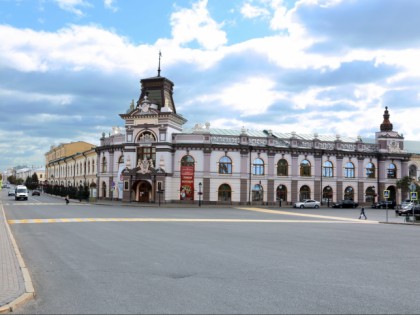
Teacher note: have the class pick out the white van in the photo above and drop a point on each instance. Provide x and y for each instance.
(21, 192)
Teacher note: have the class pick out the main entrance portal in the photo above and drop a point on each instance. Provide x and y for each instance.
(143, 191)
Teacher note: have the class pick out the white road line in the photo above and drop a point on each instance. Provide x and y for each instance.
(79, 220)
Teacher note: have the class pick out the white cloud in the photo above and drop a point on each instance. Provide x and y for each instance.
(196, 24)
(251, 97)
(72, 5)
(249, 11)
(110, 4)
(18, 96)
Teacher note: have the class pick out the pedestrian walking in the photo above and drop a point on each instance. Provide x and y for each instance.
(67, 200)
(362, 213)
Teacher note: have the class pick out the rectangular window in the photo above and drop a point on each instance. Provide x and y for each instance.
(126, 185)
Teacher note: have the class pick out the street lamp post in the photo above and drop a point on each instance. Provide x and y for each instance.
(280, 195)
(199, 194)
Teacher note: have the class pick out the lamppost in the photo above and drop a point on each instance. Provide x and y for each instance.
(280, 194)
(199, 194)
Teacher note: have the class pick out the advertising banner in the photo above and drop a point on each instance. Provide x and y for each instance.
(119, 187)
(187, 183)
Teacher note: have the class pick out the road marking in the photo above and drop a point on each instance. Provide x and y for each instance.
(79, 220)
(305, 215)
(44, 204)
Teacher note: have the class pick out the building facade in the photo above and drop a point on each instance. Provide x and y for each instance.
(155, 159)
(71, 164)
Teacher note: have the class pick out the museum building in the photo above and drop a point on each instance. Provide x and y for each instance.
(154, 159)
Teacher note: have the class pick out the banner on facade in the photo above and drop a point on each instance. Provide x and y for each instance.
(121, 167)
(187, 183)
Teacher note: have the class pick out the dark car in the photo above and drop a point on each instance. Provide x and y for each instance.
(345, 204)
(36, 192)
(389, 204)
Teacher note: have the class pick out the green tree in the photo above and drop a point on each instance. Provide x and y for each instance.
(404, 184)
(35, 180)
(12, 179)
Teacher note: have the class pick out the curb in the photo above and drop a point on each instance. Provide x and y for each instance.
(29, 288)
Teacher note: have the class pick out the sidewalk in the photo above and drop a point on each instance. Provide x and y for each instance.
(15, 282)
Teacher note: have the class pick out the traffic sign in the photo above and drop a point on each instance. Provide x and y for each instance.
(386, 194)
(413, 195)
(412, 187)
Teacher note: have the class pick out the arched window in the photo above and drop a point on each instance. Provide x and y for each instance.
(225, 165)
(305, 168)
(392, 171)
(257, 193)
(104, 166)
(121, 159)
(224, 193)
(327, 170)
(93, 166)
(349, 193)
(370, 170)
(258, 167)
(412, 171)
(304, 193)
(282, 168)
(187, 160)
(349, 170)
(88, 167)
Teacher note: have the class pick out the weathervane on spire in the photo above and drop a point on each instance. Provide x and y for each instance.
(160, 55)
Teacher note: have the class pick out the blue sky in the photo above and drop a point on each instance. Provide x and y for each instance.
(69, 67)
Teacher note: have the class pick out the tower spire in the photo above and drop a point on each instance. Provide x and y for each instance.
(386, 124)
(160, 55)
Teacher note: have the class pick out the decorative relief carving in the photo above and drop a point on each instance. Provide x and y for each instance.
(304, 144)
(348, 146)
(257, 141)
(281, 143)
(224, 140)
(326, 145)
(144, 166)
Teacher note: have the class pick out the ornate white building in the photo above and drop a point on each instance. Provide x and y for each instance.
(154, 158)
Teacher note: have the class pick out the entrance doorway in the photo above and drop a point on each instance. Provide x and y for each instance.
(143, 191)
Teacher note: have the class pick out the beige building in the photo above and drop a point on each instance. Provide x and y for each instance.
(71, 164)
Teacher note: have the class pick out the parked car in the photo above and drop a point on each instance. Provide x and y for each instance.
(405, 208)
(345, 204)
(307, 203)
(409, 210)
(389, 204)
(11, 192)
(36, 192)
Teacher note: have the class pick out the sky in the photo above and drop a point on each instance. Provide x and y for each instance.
(68, 68)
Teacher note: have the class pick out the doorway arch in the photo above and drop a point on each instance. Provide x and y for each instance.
(143, 191)
(304, 193)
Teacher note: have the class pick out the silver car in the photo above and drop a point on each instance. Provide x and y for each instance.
(307, 203)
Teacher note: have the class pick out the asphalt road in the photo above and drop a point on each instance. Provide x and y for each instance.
(113, 259)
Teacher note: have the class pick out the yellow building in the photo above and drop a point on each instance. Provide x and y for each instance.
(71, 164)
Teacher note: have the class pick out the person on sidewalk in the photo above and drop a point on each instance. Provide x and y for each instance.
(362, 213)
(67, 200)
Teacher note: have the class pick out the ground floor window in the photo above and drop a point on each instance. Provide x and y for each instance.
(257, 193)
(304, 193)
